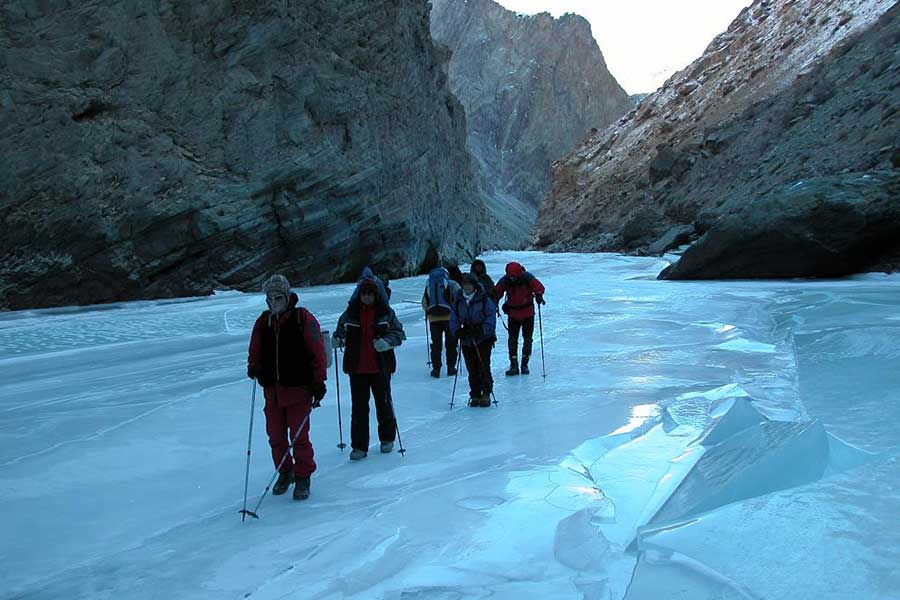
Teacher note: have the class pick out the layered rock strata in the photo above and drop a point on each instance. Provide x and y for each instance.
(171, 148)
(532, 86)
(791, 92)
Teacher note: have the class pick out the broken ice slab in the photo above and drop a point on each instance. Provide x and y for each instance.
(739, 415)
(757, 460)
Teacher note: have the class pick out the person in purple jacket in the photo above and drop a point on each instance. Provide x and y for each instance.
(473, 320)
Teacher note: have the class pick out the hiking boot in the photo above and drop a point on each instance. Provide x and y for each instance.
(435, 372)
(513, 366)
(285, 479)
(358, 454)
(474, 400)
(387, 447)
(524, 369)
(451, 371)
(301, 488)
(485, 400)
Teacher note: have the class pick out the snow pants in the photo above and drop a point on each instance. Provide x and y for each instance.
(527, 327)
(360, 386)
(282, 422)
(478, 364)
(440, 330)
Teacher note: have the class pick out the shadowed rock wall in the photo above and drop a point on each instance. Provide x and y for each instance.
(169, 148)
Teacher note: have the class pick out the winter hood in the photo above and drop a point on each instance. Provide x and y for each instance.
(514, 269)
(367, 277)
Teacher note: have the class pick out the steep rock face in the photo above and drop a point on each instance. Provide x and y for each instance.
(532, 86)
(793, 90)
(170, 148)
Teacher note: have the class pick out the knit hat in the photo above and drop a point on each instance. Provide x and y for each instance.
(470, 278)
(277, 283)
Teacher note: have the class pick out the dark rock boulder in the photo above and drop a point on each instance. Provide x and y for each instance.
(823, 227)
(172, 148)
(673, 238)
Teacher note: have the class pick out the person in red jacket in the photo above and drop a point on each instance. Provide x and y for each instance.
(287, 358)
(522, 290)
(369, 331)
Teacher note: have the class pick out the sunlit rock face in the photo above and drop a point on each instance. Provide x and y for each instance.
(533, 87)
(790, 92)
(160, 149)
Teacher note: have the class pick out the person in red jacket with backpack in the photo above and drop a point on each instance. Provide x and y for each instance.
(287, 358)
(522, 290)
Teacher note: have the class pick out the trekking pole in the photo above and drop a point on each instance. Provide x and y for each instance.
(428, 340)
(502, 322)
(390, 399)
(287, 452)
(243, 511)
(337, 381)
(481, 369)
(455, 377)
(541, 330)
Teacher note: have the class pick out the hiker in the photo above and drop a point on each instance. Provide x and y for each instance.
(473, 321)
(369, 331)
(455, 273)
(436, 301)
(479, 269)
(287, 358)
(522, 289)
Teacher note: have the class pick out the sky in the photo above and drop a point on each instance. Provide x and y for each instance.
(645, 41)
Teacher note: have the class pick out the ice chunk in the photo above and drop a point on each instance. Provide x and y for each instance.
(760, 459)
(739, 416)
(578, 543)
(843, 456)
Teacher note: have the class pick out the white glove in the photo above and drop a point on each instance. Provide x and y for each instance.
(382, 345)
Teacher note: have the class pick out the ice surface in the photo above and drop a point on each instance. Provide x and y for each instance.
(123, 434)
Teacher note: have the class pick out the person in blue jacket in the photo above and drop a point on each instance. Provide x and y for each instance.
(473, 322)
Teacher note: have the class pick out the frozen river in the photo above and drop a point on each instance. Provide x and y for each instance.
(691, 440)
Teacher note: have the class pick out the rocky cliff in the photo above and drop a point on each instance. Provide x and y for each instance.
(532, 86)
(794, 90)
(170, 148)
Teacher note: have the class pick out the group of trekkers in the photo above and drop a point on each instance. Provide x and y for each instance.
(289, 355)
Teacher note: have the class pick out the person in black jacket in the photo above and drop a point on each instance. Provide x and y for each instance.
(369, 331)
(479, 270)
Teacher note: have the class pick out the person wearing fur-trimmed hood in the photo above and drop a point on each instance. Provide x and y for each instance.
(369, 330)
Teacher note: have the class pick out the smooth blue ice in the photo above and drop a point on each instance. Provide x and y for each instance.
(694, 440)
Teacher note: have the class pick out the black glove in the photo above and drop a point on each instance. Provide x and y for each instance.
(318, 392)
(539, 299)
(465, 332)
(252, 371)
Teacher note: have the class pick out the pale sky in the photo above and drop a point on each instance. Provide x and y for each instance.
(645, 41)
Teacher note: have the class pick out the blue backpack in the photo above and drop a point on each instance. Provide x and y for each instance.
(438, 303)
